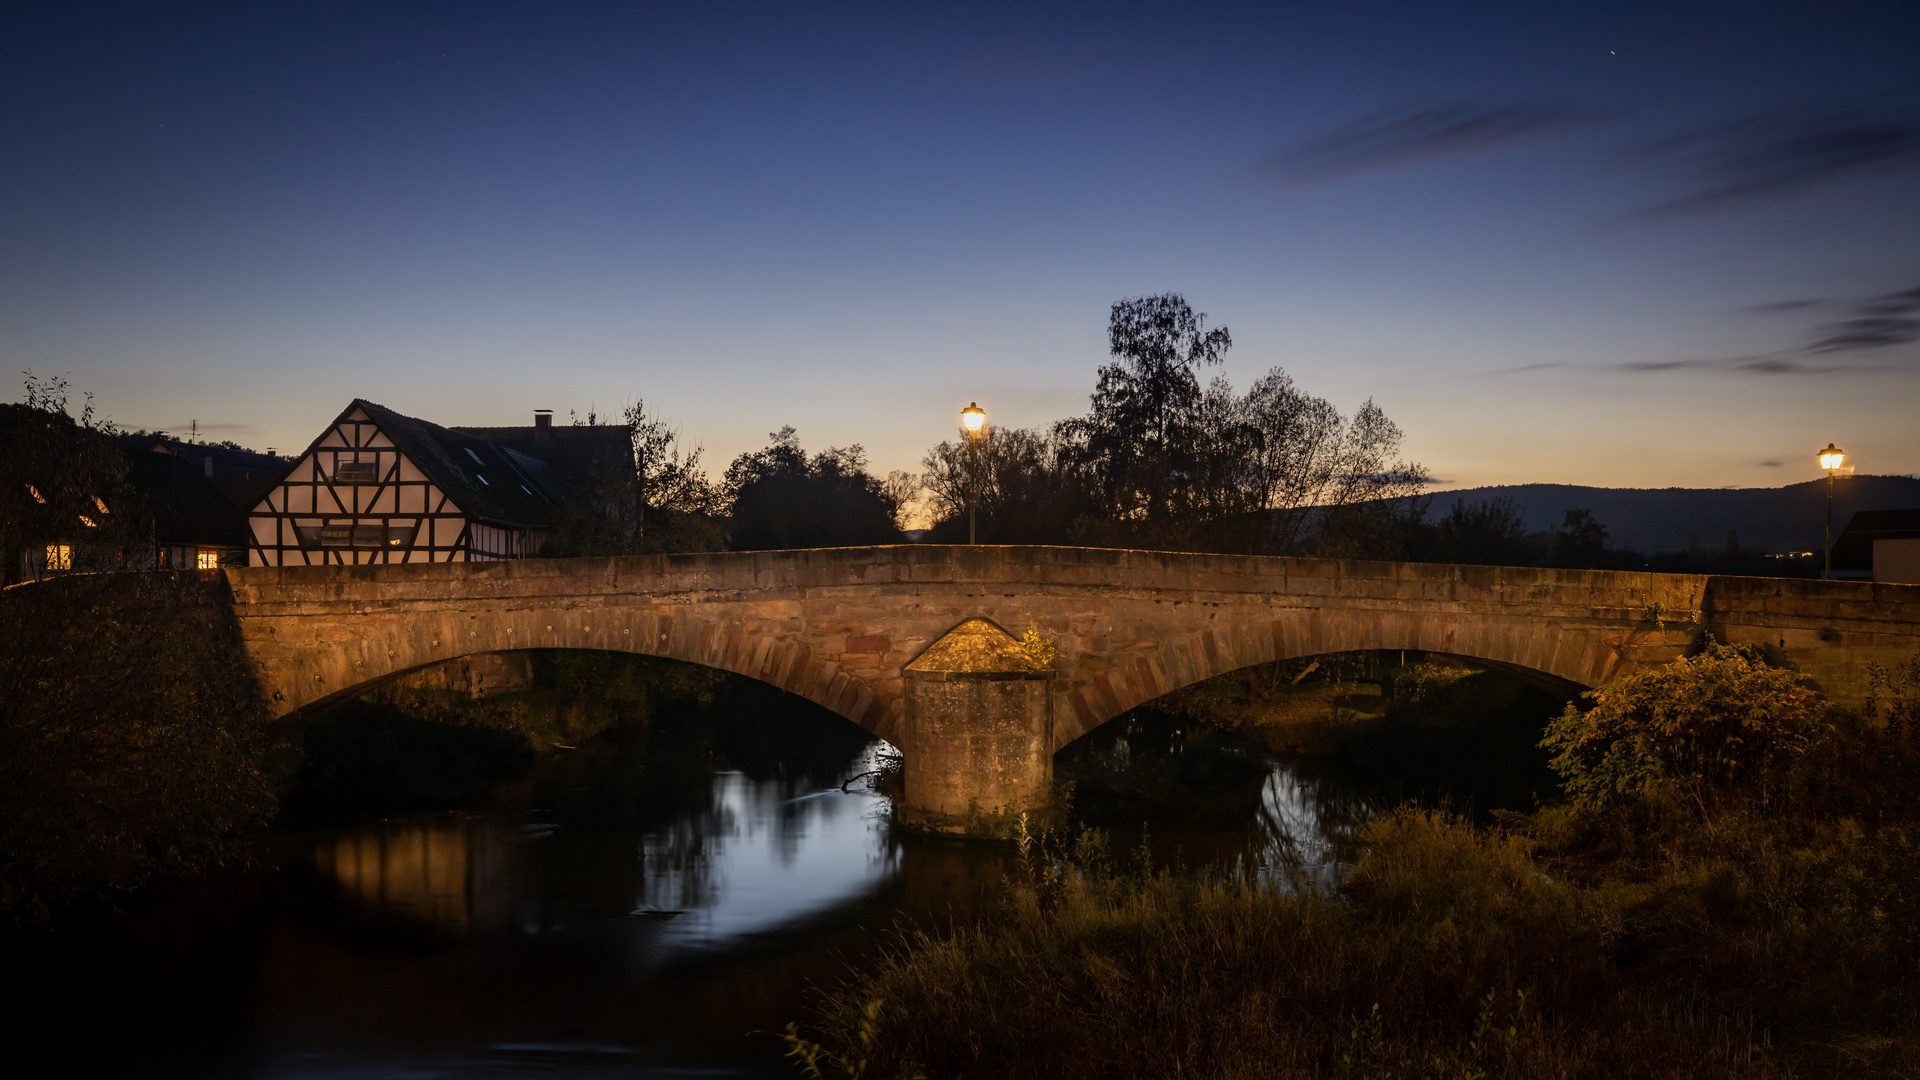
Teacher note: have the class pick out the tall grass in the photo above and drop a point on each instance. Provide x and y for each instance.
(1450, 955)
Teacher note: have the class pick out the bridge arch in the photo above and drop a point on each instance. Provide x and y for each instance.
(1546, 655)
(838, 626)
(386, 649)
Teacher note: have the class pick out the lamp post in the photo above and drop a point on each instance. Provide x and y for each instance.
(973, 418)
(1830, 460)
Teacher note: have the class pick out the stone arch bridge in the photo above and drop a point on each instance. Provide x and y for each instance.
(854, 630)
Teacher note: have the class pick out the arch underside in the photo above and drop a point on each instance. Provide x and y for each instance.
(1549, 655)
(388, 648)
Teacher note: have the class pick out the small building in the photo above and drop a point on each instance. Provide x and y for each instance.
(199, 495)
(1880, 545)
(379, 487)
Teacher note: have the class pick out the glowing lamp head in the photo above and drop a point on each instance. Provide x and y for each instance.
(1831, 457)
(973, 417)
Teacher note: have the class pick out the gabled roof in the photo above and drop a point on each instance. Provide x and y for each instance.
(565, 457)
(483, 479)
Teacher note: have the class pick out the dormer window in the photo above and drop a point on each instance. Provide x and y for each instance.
(356, 472)
(474, 456)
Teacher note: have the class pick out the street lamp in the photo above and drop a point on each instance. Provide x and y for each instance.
(973, 418)
(1830, 460)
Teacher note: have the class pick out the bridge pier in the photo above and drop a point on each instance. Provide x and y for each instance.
(978, 732)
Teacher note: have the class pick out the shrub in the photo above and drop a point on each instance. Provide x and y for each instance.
(131, 736)
(1712, 723)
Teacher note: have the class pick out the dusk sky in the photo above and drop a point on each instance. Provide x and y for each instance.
(1615, 244)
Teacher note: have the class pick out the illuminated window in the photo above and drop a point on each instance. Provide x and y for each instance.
(59, 556)
(37, 497)
(209, 559)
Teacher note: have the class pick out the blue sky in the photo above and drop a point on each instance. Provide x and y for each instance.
(1631, 245)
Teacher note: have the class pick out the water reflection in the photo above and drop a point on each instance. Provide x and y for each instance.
(755, 857)
(1309, 825)
(452, 874)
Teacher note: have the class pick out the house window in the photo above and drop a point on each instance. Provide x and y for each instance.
(350, 534)
(59, 556)
(208, 559)
(356, 472)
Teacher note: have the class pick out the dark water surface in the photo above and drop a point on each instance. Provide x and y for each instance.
(651, 909)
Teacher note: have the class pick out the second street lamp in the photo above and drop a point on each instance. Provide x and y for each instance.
(973, 418)
(1830, 460)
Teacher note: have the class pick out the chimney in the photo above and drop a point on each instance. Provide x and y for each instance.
(206, 466)
(542, 424)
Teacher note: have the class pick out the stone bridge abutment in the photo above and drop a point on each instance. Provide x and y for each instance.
(843, 626)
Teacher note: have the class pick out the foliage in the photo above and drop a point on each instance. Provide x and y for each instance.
(1044, 650)
(1159, 461)
(1579, 542)
(654, 498)
(131, 736)
(1451, 955)
(1142, 430)
(1709, 723)
(62, 481)
(781, 498)
(1617, 938)
(1489, 532)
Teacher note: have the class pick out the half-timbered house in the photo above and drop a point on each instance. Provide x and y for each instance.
(379, 487)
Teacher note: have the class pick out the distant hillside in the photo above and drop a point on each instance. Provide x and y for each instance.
(1668, 519)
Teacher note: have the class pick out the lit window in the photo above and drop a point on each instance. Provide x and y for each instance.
(59, 556)
(102, 504)
(209, 559)
(37, 497)
(89, 522)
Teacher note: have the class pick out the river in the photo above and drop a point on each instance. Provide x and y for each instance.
(660, 907)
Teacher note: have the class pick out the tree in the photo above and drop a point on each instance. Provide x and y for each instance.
(780, 498)
(1145, 402)
(131, 727)
(1160, 462)
(1489, 532)
(1579, 542)
(1032, 489)
(1709, 724)
(653, 498)
(63, 482)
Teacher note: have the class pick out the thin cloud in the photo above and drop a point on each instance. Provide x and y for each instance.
(1876, 324)
(1770, 465)
(1848, 345)
(1786, 363)
(1784, 152)
(1784, 305)
(1401, 136)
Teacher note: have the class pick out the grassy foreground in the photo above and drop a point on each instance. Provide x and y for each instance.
(1680, 916)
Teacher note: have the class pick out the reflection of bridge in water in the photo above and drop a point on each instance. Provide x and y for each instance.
(742, 858)
(855, 630)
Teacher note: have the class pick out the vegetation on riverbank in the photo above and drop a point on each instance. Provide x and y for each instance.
(1733, 892)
